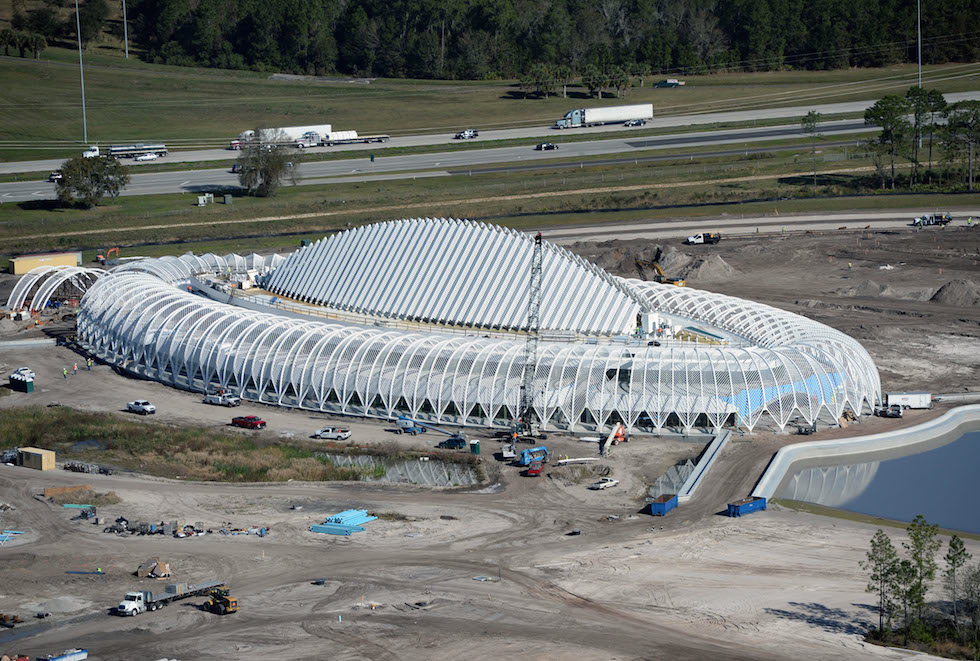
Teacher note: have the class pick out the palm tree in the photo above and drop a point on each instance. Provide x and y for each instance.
(20, 41)
(36, 44)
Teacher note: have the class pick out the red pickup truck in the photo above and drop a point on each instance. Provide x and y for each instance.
(248, 422)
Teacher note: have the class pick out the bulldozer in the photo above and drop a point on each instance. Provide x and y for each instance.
(220, 602)
(659, 275)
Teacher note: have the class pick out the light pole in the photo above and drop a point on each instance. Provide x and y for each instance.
(918, 13)
(125, 31)
(81, 72)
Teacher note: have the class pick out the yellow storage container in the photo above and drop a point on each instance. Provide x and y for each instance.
(36, 458)
(24, 263)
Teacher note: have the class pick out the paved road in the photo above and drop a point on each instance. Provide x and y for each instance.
(509, 134)
(408, 166)
(749, 224)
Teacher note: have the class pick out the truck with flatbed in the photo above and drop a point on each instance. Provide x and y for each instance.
(283, 134)
(140, 601)
(669, 82)
(222, 399)
(132, 151)
(314, 139)
(599, 116)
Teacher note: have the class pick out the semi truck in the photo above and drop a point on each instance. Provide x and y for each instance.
(284, 134)
(600, 116)
(140, 601)
(314, 139)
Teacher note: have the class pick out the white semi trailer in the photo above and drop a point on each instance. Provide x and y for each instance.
(286, 134)
(600, 116)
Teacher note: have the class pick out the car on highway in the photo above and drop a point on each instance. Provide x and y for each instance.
(248, 422)
(23, 373)
(333, 433)
(546, 146)
(55, 176)
(604, 483)
(236, 167)
(466, 134)
(635, 122)
(146, 157)
(141, 406)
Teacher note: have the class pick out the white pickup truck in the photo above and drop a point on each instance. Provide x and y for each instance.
(333, 433)
(704, 237)
(222, 399)
(603, 483)
(141, 406)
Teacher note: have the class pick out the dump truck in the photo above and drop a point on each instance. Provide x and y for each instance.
(220, 602)
(599, 116)
(140, 601)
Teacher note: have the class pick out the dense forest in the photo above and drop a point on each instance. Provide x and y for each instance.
(488, 39)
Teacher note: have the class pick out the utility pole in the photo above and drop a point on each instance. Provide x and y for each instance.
(81, 72)
(526, 408)
(125, 31)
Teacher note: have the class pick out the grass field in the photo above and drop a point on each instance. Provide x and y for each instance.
(130, 100)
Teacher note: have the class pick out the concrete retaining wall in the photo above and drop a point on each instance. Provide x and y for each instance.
(24, 344)
(862, 448)
(707, 459)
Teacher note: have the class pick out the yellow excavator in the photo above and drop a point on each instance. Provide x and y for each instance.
(220, 601)
(659, 275)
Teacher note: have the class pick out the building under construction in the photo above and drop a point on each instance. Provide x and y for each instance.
(431, 318)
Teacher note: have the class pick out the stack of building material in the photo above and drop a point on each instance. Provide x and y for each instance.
(154, 568)
(344, 523)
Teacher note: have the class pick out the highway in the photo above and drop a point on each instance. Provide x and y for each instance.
(543, 132)
(438, 164)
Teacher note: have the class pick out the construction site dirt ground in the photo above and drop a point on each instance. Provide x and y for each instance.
(692, 585)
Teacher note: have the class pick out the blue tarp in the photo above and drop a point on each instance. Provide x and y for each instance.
(344, 523)
(747, 401)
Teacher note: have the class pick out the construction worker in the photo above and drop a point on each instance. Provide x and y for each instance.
(88, 364)
(849, 266)
(75, 368)
(65, 371)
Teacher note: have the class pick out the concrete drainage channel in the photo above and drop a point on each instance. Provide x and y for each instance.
(407, 471)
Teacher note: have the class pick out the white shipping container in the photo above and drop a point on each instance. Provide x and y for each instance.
(909, 400)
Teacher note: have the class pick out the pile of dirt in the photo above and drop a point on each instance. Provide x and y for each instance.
(8, 325)
(866, 288)
(871, 289)
(706, 269)
(963, 293)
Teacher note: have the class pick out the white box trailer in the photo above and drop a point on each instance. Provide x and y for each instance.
(282, 134)
(600, 116)
(909, 400)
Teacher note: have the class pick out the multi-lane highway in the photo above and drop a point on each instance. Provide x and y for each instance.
(439, 164)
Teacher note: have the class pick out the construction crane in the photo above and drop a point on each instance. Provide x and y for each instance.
(660, 276)
(526, 408)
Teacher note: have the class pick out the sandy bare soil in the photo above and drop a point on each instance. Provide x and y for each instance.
(693, 585)
(912, 298)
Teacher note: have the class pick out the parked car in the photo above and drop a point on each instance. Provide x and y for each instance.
(333, 433)
(893, 411)
(141, 406)
(146, 157)
(635, 122)
(603, 483)
(222, 399)
(55, 176)
(546, 146)
(248, 422)
(24, 373)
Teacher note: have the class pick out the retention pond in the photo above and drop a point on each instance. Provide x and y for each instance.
(937, 479)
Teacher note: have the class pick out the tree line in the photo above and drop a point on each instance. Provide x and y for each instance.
(902, 583)
(493, 39)
(921, 126)
(35, 29)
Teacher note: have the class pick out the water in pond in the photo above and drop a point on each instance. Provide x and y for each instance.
(941, 483)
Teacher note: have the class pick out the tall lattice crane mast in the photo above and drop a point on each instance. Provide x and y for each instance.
(526, 410)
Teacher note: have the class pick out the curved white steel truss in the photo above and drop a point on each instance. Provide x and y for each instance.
(785, 367)
(40, 283)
